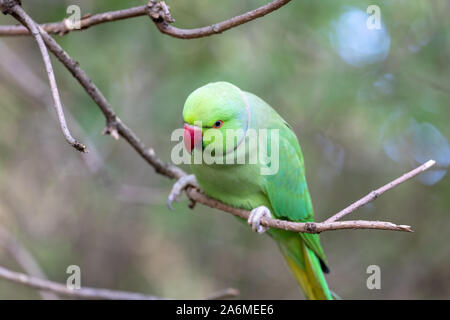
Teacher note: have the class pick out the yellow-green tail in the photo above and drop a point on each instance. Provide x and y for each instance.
(310, 277)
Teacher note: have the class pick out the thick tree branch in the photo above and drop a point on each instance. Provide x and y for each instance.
(17, 12)
(159, 12)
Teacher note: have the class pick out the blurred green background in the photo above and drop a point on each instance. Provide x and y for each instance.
(367, 106)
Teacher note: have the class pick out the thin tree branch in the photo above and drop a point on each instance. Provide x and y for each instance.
(159, 12)
(61, 28)
(25, 259)
(19, 74)
(376, 193)
(306, 227)
(329, 224)
(63, 290)
(114, 125)
(17, 12)
(92, 293)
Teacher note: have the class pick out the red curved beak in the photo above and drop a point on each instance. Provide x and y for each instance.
(192, 136)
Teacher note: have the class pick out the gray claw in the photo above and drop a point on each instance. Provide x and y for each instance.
(178, 188)
(254, 219)
(169, 203)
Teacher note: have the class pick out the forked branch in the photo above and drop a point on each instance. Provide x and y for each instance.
(329, 224)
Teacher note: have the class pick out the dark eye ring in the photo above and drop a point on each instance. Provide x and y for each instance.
(218, 124)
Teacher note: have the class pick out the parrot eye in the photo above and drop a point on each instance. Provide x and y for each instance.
(218, 124)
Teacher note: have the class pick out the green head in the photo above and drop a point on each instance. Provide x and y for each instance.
(214, 109)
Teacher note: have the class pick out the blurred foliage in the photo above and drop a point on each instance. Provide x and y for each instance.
(364, 112)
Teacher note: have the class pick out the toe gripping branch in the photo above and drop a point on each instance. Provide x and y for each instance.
(178, 189)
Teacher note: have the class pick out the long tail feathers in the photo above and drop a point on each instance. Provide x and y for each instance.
(310, 277)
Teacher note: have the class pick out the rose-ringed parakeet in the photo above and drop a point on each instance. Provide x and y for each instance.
(282, 194)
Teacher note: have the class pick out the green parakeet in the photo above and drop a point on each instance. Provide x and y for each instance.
(283, 194)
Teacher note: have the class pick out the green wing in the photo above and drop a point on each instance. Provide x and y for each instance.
(288, 191)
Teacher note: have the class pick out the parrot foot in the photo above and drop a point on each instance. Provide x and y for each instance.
(254, 219)
(178, 188)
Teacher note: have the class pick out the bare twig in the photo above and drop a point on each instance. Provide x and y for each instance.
(376, 193)
(114, 125)
(16, 11)
(327, 225)
(307, 227)
(63, 290)
(92, 293)
(159, 13)
(20, 75)
(61, 28)
(24, 258)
